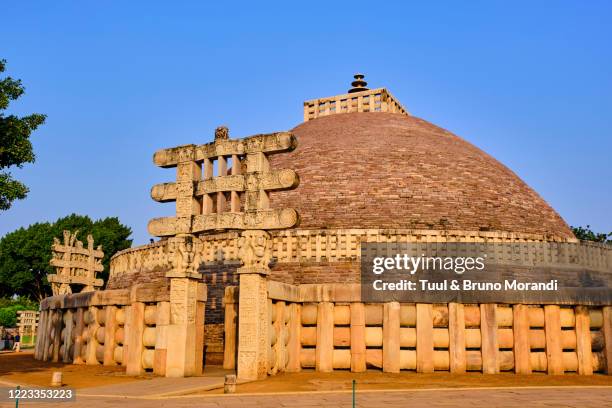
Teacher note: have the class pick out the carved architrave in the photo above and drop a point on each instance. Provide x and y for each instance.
(274, 180)
(268, 143)
(260, 219)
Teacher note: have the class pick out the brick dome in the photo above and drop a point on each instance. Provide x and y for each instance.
(387, 170)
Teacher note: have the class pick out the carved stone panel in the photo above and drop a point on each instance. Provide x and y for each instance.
(75, 264)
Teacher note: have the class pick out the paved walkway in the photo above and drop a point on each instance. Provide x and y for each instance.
(157, 387)
(578, 397)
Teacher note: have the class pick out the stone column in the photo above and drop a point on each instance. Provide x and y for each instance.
(186, 328)
(185, 333)
(231, 320)
(255, 249)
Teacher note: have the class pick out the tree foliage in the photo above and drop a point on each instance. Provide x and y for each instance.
(585, 234)
(10, 307)
(15, 146)
(26, 252)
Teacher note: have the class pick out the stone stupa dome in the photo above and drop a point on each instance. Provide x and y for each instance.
(394, 171)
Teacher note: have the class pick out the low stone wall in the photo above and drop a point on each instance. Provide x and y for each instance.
(127, 327)
(327, 327)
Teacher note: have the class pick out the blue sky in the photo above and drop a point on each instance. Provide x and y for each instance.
(528, 82)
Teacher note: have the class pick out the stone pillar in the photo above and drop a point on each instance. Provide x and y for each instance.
(456, 334)
(132, 346)
(161, 341)
(185, 331)
(488, 331)
(57, 338)
(41, 334)
(522, 346)
(295, 346)
(583, 341)
(230, 326)
(255, 248)
(186, 328)
(324, 353)
(110, 326)
(46, 340)
(425, 346)
(607, 331)
(92, 343)
(252, 327)
(554, 348)
(391, 337)
(78, 338)
(67, 340)
(358, 347)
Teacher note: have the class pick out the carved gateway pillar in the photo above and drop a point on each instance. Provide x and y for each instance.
(255, 254)
(236, 198)
(185, 333)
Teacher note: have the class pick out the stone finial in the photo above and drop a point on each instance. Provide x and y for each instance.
(222, 133)
(358, 85)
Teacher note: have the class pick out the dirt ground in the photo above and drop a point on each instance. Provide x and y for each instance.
(21, 368)
(376, 380)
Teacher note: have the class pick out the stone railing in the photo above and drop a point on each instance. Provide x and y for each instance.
(328, 328)
(374, 100)
(138, 262)
(295, 245)
(126, 327)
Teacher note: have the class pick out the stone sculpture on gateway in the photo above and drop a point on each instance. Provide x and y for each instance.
(75, 265)
(202, 207)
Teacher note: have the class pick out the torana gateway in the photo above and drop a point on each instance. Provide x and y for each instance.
(261, 267)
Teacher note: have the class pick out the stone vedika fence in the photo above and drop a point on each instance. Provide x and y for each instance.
(327, 327)
(123, 327)
(295, 245)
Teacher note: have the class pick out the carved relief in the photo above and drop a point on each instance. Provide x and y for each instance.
(255, 251)
(75, 264)
(183, 293)
(249, 185)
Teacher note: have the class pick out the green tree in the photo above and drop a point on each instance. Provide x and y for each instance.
(15, 146)
(585, 234)
(26, 252)
(10, 307)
